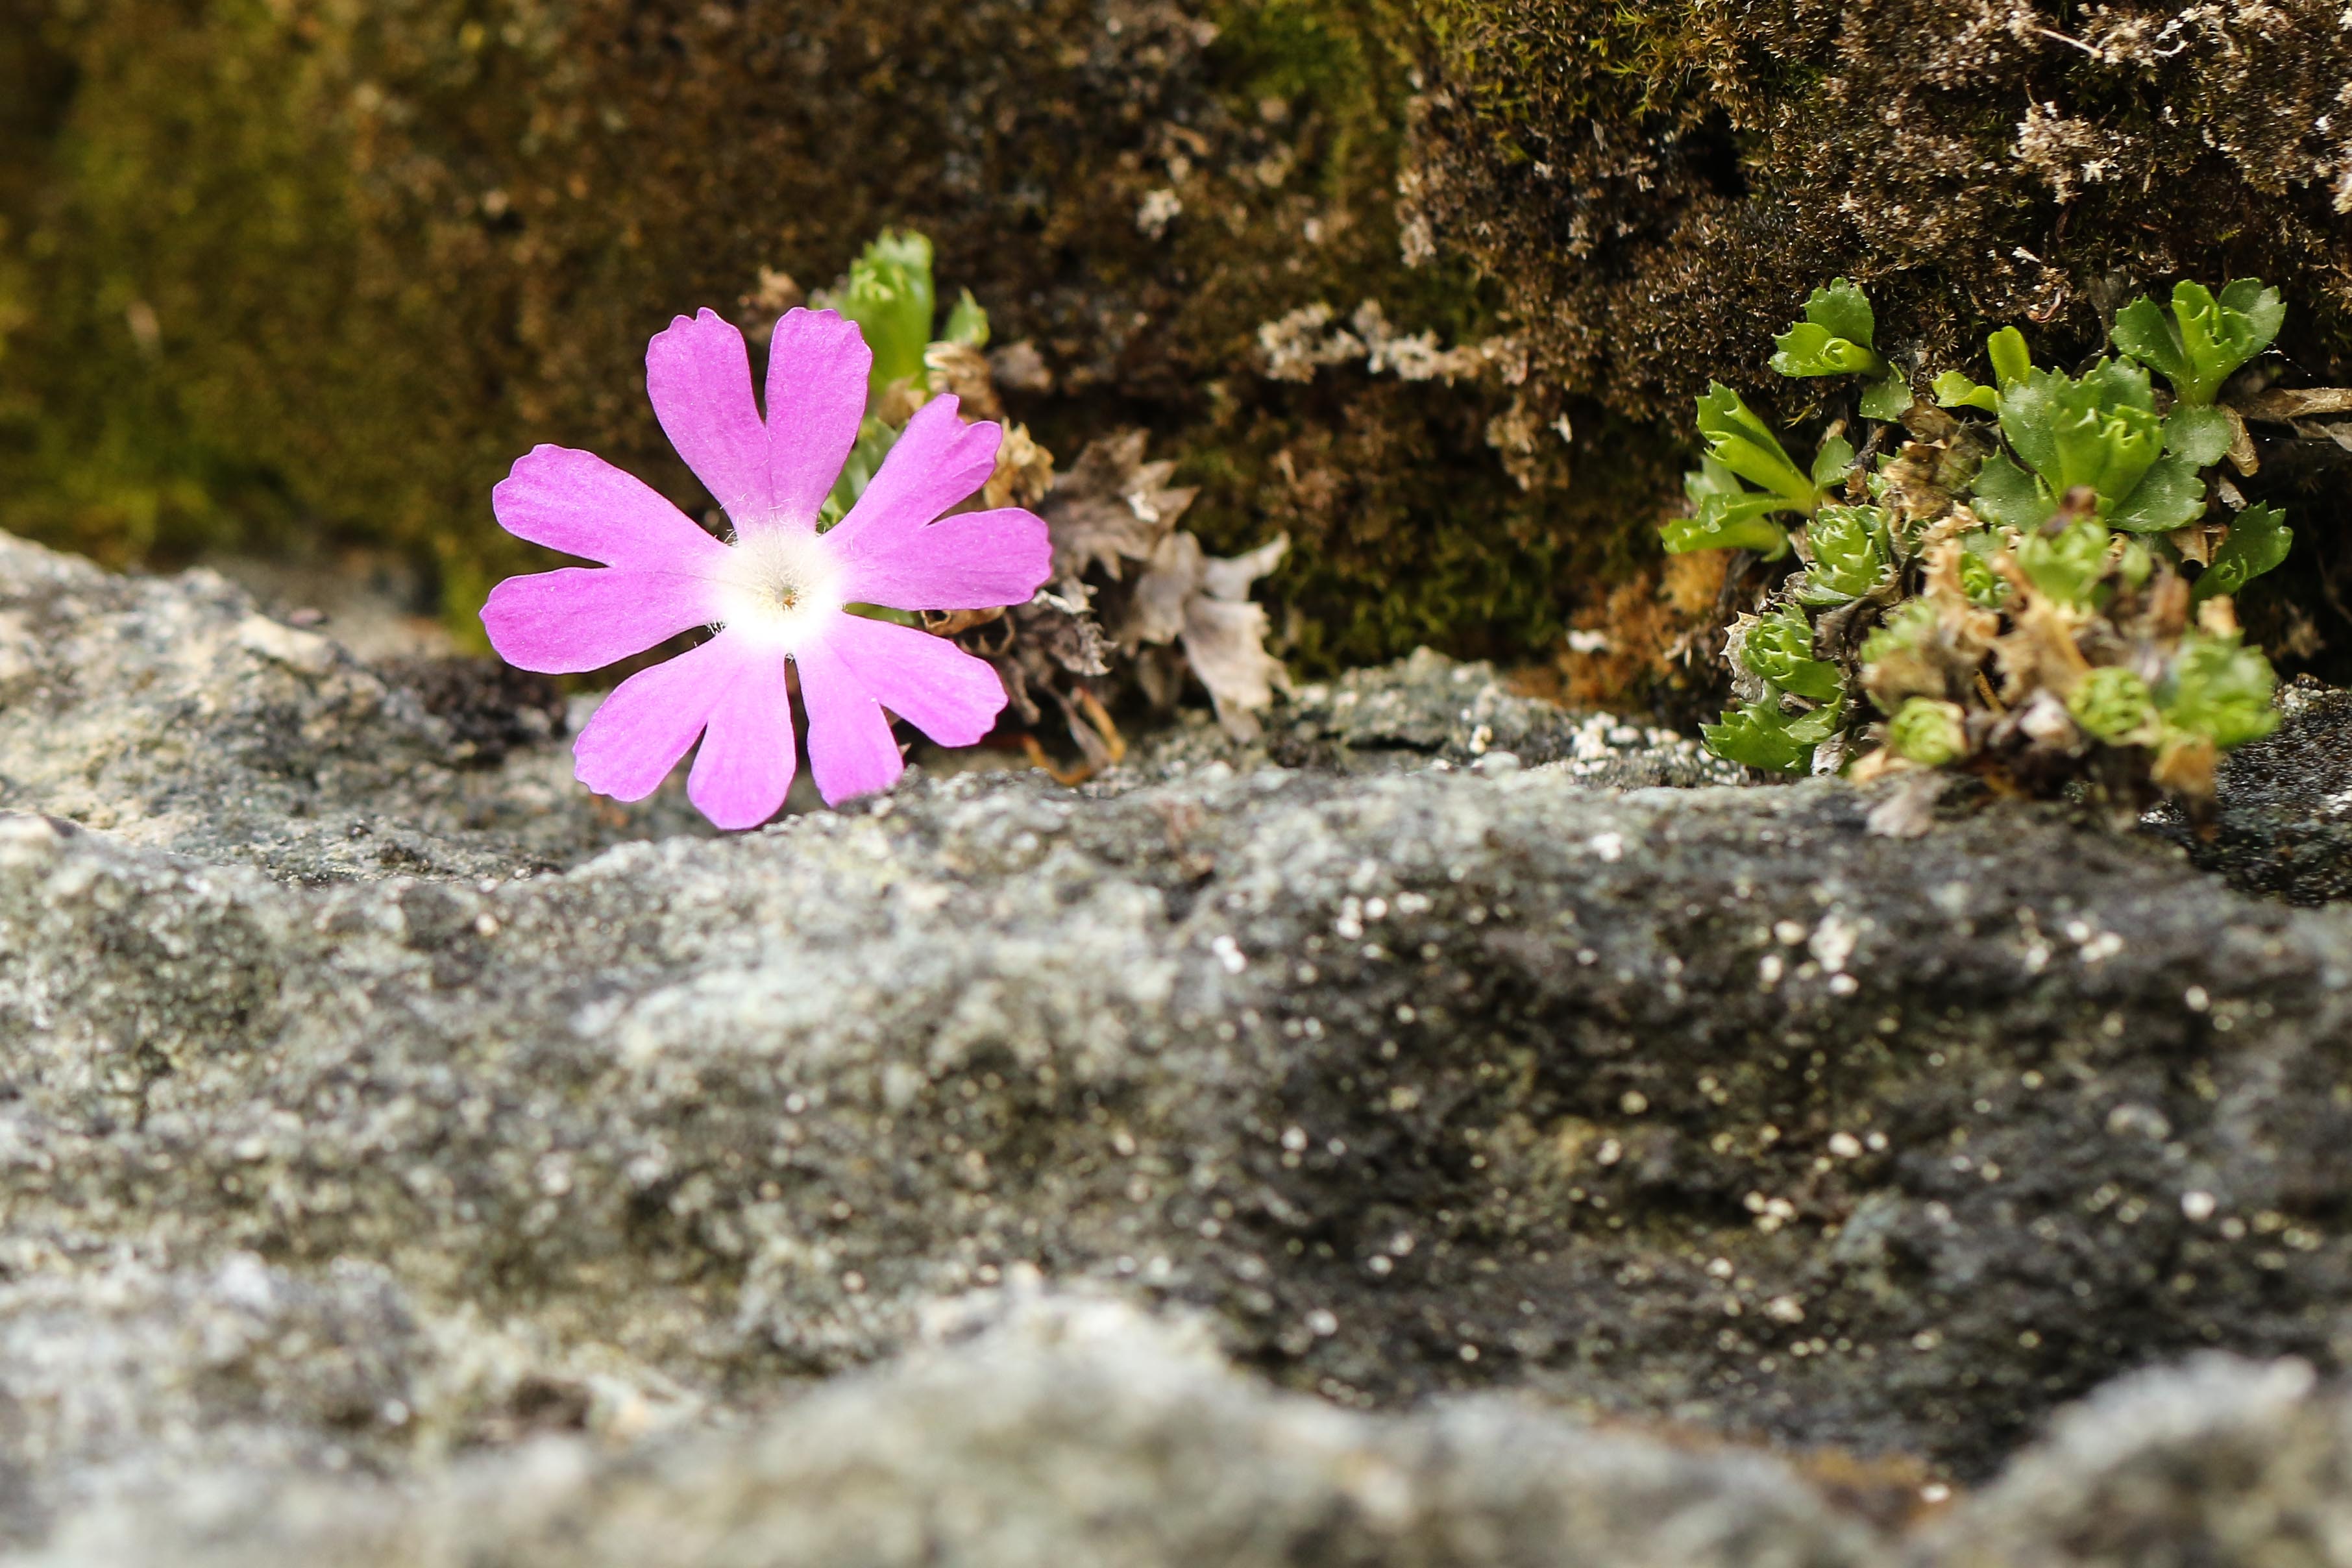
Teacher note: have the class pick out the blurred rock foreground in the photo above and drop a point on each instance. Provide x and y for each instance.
(1453, 1131)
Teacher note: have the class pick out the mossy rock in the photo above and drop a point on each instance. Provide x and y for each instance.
(1655, 188)
(295, 270)
(281, 271)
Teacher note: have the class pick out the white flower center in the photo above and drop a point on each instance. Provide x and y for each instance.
(780, 585)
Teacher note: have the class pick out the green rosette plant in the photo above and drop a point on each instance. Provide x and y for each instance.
(2039, 589)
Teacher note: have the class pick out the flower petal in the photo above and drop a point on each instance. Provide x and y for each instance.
(744, 767)
(937, 461)
(817, 366)
(973, 561)
(581, 504)
(639, 732)
(850, 749)
(698, 375)
(583, 618)
(930, 682)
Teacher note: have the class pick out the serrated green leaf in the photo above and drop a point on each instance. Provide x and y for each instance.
(1712, 478)
(2008, 495)
(2203, 436)
(1832, 463)
(1769, 468)
(1761, 735)
(1724, 516)
(1735, 526)
(2202, 340)
(2169, 495)
(2099, 430)
(2108, 431)
(2219, 335)
(1757, 736)
(1722, 414)
(1954, 390)
(1780, 649)
(1888, 399)
(2260, 307)
(2259, 540)
(1742, 442)
(2010, 362)
(2144, 330)
(1841, 307)
(1819, 725)
(2029, 419)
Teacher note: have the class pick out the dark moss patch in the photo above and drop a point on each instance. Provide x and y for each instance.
(299, 268)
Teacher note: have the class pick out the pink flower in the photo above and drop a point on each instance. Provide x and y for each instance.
(778, 590)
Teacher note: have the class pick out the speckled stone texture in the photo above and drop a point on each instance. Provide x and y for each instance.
(560, 1190)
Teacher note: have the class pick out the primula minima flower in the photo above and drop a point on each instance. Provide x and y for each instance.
(779, 590)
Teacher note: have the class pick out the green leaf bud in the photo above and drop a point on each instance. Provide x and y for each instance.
(2203, 339)
(1929, 732)
(1847, 547)
(1780, 649)
(890, 295)
(2114, 705)
(2068, 565)
(967, 324)
(2010, 362)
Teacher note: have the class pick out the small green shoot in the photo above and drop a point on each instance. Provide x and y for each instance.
(2202, 340)
(890, 295)
(1930, 732)
(967, 324)
(1780, 649)
(1726, 513)
(2066, 565)
(2010, 366)
(1838, 337)
(1848, 550)
(1760, 735)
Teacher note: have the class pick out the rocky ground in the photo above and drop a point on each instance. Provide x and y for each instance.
(1451, 1131)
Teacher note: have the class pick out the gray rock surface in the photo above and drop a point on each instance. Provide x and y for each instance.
(2222, 1461)
(173, 714)
(568, 1177)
